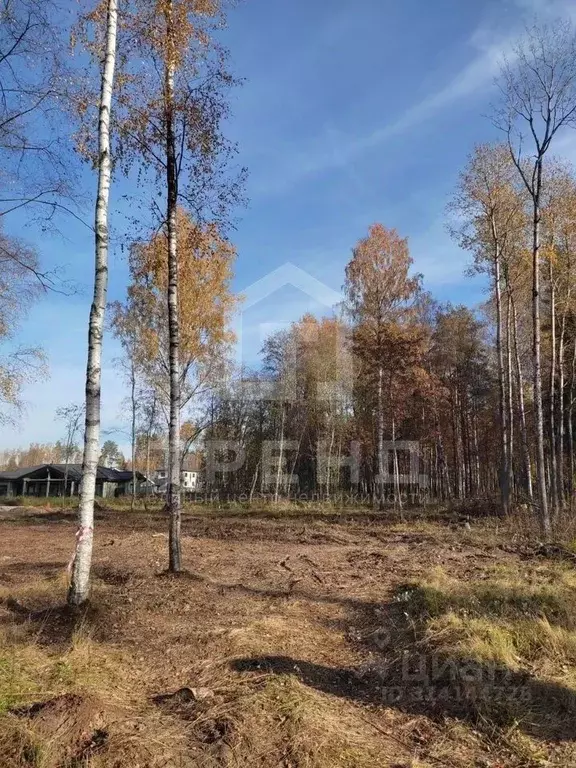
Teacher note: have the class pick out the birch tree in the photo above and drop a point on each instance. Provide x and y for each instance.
(79, 585)
(205, 306)
(559, 232)
(173, 99)
(538, 101)
(72, 416)
(21, 284)
(491, 223)
(125, 321)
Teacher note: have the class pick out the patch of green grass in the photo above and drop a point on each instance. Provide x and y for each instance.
(550, 595)
(40, 501)
(523, 621)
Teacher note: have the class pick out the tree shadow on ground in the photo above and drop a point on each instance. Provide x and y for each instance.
(55, 625)
(41, 611)
(407, 670)
(440, 686)
(46, 568)
(29, 516)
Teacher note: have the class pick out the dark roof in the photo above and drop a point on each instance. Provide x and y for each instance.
(107, 474)
(74, 470)
(124, 475)
(16, 474)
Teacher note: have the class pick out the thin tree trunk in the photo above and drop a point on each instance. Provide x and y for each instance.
(434, 476)
(570, 428)
(397, 495)
(560, 415)
(458, 484)
(68, 449)
(281, 456)
(291, 476)
(552, 397)
(79, 585)
(329, 467)
(151, 424)
(254, 481)
(443, 476)
(504, 459)
(509, 397)
(467, 444)
(476, 452)
(463, 427)
(380, 439)
(522, 410)
(174, 492)
(338, 458)
(133, 430)
(148, 441)
(537, 367)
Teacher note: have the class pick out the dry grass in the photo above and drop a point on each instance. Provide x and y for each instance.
(521, 623)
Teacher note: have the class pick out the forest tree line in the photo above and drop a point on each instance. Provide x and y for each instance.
(489, 396)
(393, 365)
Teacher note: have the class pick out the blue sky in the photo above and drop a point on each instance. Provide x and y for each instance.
(353, 111)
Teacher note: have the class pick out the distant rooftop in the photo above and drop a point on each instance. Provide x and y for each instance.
(106, 474)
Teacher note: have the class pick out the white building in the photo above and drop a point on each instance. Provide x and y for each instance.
(189, 480)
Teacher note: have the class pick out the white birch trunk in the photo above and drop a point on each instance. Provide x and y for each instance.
(380, 439)
(570, 429)
(397, 494)
(148, 440)
(80, 580)
(537, 368)
(509, 402)
(281, 456)
(133, 427)
(329, 468)
(552, 396)
(560, 417)
(504, 458)
(521, 406)
(174, 493)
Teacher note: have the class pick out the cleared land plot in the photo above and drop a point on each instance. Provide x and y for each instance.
(297, 641)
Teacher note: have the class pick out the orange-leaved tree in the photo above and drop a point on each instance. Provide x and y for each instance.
(205, 307)
(380, 298)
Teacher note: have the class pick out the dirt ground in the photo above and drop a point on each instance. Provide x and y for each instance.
(271, 649)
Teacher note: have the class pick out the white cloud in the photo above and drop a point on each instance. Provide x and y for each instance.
(334, 149)
(547, 8)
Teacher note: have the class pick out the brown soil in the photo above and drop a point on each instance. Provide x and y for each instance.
(306, 604)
